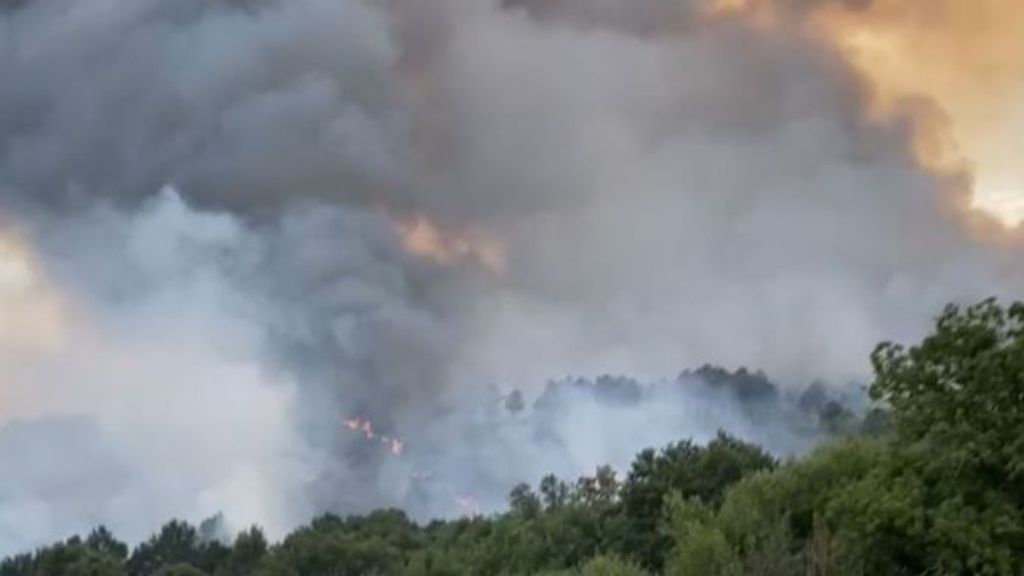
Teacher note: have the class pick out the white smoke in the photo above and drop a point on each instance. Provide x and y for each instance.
(154, 401)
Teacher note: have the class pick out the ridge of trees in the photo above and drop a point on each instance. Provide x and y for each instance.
(930, 482)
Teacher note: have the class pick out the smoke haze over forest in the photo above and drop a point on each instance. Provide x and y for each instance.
(227, 227)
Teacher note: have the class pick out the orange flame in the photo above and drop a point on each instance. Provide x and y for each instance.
(395, 446)
(422, 237)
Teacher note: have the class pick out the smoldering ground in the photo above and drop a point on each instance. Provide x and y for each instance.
(208, 206)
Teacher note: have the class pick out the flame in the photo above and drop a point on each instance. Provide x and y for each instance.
(423, 238)
(394, 445)
(467, 505)
(965, 57)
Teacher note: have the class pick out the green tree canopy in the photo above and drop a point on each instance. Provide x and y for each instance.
(962, 388)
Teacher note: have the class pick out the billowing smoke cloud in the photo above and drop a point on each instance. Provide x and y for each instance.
(230, 226)
(976, 118)
(150, 399)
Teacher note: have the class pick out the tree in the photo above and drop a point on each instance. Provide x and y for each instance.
(69, 558)
(553, 492)
(956, 402)
(700, 547)
(823, 554)
(180, 569)
(176, 543)
(100, 540)
(598, 491)
(611, 566)
(18, 565)
(962, 388)
(524, 502)
(688, 469)
(772, 517)
(248, 552)
(930, 482)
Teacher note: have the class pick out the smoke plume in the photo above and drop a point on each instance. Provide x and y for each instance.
(229, 227)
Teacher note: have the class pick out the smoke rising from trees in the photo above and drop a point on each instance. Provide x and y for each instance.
(211, 195)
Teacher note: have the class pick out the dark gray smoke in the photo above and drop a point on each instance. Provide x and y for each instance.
(212, 194)
(244, 108)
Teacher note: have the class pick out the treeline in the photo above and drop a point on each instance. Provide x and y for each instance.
(782, 419)
(936, 488)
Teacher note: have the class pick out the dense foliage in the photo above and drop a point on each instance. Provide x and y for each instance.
(932, 482)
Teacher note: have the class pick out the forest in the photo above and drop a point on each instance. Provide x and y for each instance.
(929, 481)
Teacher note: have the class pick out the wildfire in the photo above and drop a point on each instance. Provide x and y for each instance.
(395, 446)
(964, 57)
(467, 505)
(425, 239)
